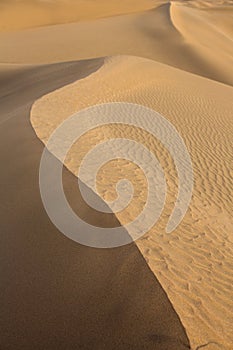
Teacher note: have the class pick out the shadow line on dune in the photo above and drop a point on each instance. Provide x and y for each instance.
(57, 294)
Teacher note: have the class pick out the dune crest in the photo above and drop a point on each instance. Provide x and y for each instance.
(200, 31)
(175, 57)
(23, 14)
(186, 37)
(194, 263)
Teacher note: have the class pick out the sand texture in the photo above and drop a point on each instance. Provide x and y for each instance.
(165, 291)
(55, 293)
(194, 263)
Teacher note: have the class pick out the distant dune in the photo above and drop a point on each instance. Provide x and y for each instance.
(22, 14)
(179, 35)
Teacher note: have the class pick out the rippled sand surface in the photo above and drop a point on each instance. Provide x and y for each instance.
(194, 263)
(176, 58)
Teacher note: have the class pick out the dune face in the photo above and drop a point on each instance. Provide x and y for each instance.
(193, 264)
(205, 31)
(177, 34)
(167, 291)
(24, 14)
(56, 294)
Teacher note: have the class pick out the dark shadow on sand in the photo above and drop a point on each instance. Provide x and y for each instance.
(56, 294)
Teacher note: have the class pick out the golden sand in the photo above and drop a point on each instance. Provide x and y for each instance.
(187, 37)
(175, 57)
(193, 264)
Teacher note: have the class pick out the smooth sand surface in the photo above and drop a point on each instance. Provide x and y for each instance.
(22, 14)
(56, 294)
(193, 263)
(182, 36)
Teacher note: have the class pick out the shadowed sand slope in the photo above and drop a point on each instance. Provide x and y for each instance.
(187, 37)
(209, 31)
(194, 263)
(56, 294)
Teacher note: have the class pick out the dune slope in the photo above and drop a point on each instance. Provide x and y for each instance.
(194, 263)
(22, 14)
(182, 36)
(57, 294)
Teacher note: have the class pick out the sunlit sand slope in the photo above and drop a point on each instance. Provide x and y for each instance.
(55, 293)
(208, 30)
(193, 38)
(193, 263)
(21, 14)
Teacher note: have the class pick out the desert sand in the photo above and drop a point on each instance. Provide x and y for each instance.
(55, 293)
(25, 14)
(185, 37)
(193, 264)
(167, 291)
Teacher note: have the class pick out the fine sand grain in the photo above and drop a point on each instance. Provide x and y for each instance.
(194, 263)
(56, 294)
(175, 57)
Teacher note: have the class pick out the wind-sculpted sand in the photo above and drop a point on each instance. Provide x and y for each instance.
(194, 262)
(176, 33)
(55, 293)
(24, 14)
(175, 57)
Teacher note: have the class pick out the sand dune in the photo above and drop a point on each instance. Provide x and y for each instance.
(60, 295)
(24, 14)
(194, 263)
(207, 32)
(56, 294)
(181, 36)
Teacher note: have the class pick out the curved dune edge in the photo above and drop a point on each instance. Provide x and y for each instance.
(185, 37)
(206, 31)
(23, 14)
(55, 293)
(194, 263)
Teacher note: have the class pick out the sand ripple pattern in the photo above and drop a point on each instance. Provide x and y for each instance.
(127, 114)
(193, 264)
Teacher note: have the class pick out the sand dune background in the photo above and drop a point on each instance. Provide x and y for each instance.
(182, 36)
(175, 57)
(22, 14)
